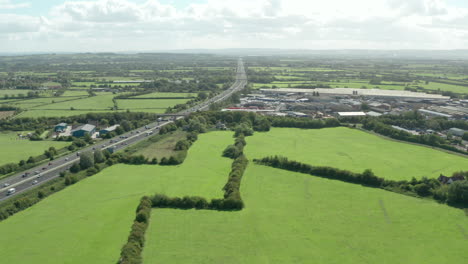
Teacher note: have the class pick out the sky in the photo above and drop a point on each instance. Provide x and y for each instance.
(156, 25)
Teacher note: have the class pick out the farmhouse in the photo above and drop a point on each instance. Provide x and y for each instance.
(108, 129)
(81, 131)
(60, 127)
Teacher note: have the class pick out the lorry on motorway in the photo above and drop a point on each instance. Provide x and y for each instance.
(11, 191)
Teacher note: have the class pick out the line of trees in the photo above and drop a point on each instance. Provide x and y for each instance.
(454, 194)
(131, 251)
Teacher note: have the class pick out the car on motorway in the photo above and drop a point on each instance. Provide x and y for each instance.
(34, 182)
(44, 168)
(38, 176)
(6, 184)
(78, 154)
(36, 172)
(66, 159)
(11, 191)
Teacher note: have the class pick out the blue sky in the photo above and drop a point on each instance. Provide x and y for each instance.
(148, 25)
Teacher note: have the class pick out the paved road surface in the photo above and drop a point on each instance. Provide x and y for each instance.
(43, 173)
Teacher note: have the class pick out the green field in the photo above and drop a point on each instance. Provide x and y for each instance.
(103, 101)
(14, 149)
(163, 147)
(355, 150)
(166, 95)
(296, 218)
(89, 221)
(156, 105)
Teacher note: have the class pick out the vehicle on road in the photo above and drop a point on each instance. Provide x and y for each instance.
(6, 184)
(66, 159)
(36, 172)
(11, 191)
(34, 182)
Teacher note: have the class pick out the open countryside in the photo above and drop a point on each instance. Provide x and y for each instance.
(220, 158)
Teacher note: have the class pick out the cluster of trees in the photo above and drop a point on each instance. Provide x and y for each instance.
(303, 122)
(426, 139)
(234, 151)
(455, 193)
(131, 251)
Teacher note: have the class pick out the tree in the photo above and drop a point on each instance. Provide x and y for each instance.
(458, 192)
(243, 128)
(465, 136)
(75, 168)
(98, 156)
(231, 151)
(86, 160)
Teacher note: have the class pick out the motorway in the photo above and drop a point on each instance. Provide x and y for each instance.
(48, 171)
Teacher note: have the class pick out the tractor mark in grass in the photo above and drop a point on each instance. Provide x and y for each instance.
(382, 206)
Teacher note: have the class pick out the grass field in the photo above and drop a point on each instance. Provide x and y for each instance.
(296, 218)
(156, 105)
(355, 150)
(89, 221)
(14, 150)
(103, 101)
(164, 147)
(167, 95)
(57, 113)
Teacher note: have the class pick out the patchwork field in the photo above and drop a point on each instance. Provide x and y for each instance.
(295, 218)
(89, 221)
(355, 150)
(14, 149)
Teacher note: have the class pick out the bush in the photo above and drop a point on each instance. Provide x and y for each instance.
(231, 152)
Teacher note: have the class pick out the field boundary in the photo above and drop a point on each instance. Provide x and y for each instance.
(232, 201)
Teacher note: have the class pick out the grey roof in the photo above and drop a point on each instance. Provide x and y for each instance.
(456, 129)
(86, 127)
(62, 124)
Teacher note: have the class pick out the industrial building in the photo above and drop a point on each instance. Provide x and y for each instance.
(108, 129)
(60, 127)
(83, 130)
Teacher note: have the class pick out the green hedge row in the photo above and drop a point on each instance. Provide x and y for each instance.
(455, 194)
(131, 251)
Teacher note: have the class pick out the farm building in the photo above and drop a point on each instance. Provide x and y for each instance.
(81, 131)
(60, 127)
(108, 129)
(456, 131)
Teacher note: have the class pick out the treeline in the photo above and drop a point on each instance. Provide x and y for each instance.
(426, 139)
(454, 194)
(131, 251)
(303, 122)
(29, 123)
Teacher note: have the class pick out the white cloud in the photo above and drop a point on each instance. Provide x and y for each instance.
(113, 25)
(7, 4)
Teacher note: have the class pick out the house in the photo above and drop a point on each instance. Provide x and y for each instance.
(81, 131)
(60, 127)
(108, 130)
(456, 132)
(221, 126)
(447, 180)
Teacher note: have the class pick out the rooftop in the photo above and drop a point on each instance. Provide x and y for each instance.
(365, 92)
(86, 127)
